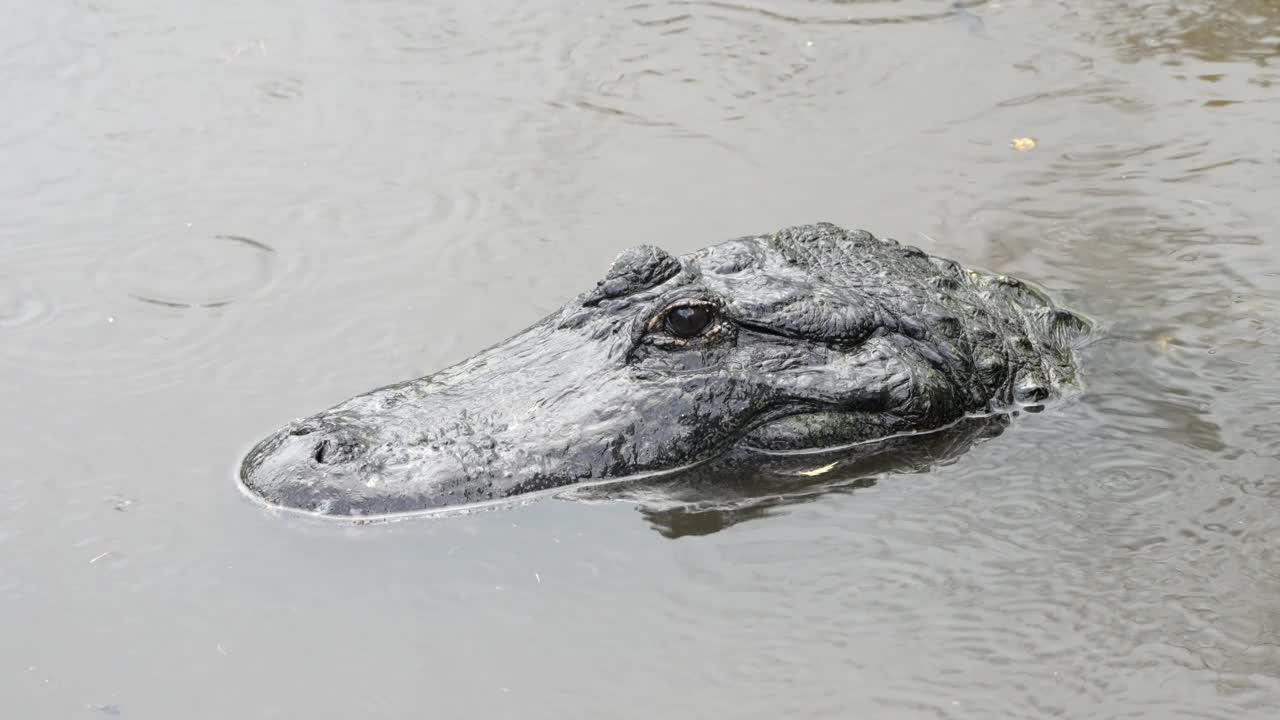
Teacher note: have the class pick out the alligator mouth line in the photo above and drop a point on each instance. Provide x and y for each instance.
(531, 497)
(525, 498)
(818, 451)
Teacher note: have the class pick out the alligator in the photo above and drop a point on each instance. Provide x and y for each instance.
(804, 340)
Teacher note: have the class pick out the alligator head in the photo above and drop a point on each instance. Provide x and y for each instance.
(809, 338)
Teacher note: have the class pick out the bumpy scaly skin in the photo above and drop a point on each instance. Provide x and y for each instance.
(820, 337)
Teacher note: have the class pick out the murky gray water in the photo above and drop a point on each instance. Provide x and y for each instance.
(218, 216)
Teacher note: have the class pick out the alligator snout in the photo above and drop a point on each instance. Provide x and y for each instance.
(316, 468)
(399, 449)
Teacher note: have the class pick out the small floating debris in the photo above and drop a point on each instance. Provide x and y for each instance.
(119, 503)
(1023, 144)
(819, 471)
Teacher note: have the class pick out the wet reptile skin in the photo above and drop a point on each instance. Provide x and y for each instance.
(814, 337)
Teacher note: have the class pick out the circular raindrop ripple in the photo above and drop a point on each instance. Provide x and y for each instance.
(209, 272)
(150, 319)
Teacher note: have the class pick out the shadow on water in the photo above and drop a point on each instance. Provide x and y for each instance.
(748, 484)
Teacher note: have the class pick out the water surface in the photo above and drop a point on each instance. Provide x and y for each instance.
(217, 217)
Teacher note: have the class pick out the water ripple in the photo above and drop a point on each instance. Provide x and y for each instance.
(1213, 32)
(20, 304)
(843, 13)
(207, 272)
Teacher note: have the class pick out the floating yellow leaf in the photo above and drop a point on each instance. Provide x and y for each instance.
(818, 471)
(1023, 144)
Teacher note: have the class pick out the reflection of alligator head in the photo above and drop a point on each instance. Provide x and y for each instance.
(746, 483)
(808, 338)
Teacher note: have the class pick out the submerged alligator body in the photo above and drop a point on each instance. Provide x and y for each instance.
(810, 338)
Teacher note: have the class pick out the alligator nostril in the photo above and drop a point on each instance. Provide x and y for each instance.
(322, 449)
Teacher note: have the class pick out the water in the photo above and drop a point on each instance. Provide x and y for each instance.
(217, 217)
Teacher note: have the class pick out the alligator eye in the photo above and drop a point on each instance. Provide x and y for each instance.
(688, 320)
